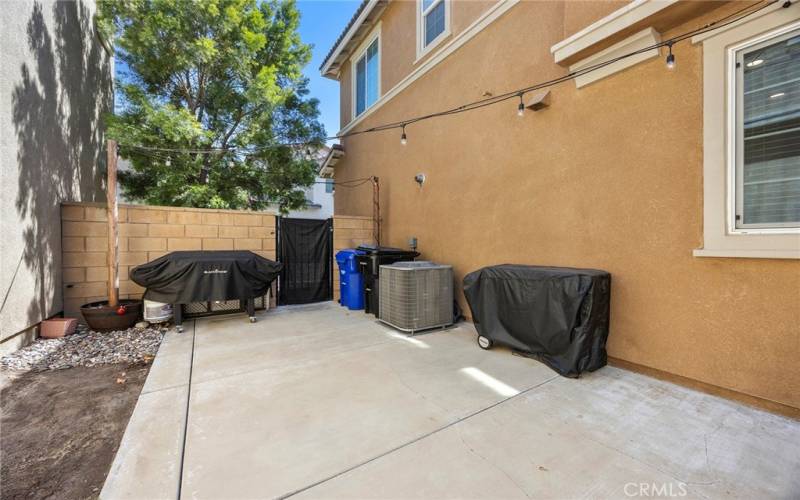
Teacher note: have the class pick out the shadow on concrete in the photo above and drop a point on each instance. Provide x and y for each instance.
(57, 108)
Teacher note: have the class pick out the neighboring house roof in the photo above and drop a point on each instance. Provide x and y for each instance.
(358, 26)
(335, 152)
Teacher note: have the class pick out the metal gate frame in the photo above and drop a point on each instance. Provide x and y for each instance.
(279, 296)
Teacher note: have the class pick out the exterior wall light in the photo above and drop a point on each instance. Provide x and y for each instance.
(419, 179)
(539, 101)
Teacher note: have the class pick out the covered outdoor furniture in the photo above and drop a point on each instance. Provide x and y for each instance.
(204, 276)
(557, 315)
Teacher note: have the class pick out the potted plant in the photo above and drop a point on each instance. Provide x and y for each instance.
(112, 314)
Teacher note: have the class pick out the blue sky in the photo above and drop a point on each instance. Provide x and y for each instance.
(320, 25)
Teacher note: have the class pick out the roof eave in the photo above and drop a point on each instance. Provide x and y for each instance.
(334, 155)
(329, 68)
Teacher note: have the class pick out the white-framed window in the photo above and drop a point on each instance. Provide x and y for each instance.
(764, 133)
(366, 71)
(750, 137)
(433, 24)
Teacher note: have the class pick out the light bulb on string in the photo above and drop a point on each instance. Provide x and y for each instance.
(521, 107)
(403, 139)
(670, 57)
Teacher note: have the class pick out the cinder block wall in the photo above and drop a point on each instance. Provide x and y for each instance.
(349, 232)
(146, 233)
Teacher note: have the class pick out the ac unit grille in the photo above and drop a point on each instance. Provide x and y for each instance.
(416, 296)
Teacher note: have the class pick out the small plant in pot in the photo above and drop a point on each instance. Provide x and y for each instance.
(112, 314)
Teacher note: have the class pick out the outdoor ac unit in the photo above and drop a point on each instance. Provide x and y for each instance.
(416, 295)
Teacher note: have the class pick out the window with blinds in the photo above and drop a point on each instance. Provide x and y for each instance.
(768, 133)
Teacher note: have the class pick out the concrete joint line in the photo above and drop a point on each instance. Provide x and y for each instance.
(415, 440)
(186, 418)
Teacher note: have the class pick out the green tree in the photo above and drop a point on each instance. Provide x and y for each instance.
(220, 81)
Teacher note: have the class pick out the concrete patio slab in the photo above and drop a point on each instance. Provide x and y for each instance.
(148, 462)
(608, 435)
(319, 402)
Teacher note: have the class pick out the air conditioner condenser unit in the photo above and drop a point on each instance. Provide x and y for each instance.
(416, 296)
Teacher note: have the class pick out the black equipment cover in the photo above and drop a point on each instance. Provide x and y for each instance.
(554, 314)
(199, 276)
(305, 249)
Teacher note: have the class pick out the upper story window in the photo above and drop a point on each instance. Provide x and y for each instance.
(765, 133)
(328, 185)
(433, 23)
(367, 74)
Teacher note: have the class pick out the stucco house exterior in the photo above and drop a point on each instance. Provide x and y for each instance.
(683, 181)
(56, 83)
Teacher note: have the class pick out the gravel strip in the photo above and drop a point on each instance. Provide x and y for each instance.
(86, 348)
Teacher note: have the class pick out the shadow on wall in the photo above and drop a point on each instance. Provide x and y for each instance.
(57, 109)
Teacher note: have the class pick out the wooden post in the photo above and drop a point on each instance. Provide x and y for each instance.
(111, 203)
(376, 211)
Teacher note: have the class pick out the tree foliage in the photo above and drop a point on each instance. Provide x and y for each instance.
(212, 74)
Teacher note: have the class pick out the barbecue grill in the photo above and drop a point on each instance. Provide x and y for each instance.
(210, 277)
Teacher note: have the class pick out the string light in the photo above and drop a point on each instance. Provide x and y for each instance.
(670, 56)
(734, 17)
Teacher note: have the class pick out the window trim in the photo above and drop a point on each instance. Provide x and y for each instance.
(374, 35)
(422, 49)
(735, 152)
(717, 239)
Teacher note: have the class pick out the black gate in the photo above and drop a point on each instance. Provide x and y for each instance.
(305, 247)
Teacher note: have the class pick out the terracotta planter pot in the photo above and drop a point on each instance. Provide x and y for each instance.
(57, 327)
(102, 318)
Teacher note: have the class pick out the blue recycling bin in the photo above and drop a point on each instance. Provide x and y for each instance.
(351, 289)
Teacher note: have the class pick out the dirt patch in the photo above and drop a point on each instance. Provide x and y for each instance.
(61, 429)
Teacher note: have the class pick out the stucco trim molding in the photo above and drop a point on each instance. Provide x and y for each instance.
(488, 17)
(645, 38)
(608, 26)
(719, 237)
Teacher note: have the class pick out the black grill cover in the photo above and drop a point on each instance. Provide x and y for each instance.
(200, 276)
(557, 315)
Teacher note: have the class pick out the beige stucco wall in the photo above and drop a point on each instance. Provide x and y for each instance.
(399, 44)
(55, 83)
(610, 177)
(580, 14)
(146, 233)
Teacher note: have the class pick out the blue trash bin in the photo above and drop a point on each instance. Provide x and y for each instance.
(351, 289)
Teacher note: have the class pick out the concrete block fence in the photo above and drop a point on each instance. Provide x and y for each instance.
(148, 232)
(349, 232)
